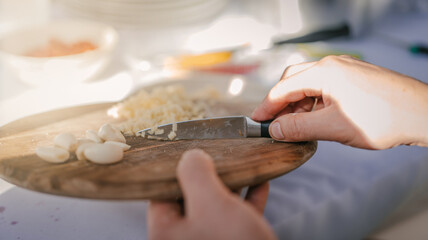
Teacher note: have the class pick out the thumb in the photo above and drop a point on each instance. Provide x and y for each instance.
(324, 124)
(199, 181)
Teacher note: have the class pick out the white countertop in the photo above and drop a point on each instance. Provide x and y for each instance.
(341, 193)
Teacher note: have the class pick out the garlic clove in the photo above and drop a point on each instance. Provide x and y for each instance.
(124, 146)
(109, 133)
(80, 150)
(66, 140)
(81, 141)
(53, 154)
(93, 135)
(103, 153)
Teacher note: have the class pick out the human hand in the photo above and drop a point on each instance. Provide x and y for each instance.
(211, 211)
(359, 104)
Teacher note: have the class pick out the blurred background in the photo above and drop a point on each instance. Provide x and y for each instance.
(60, 53)
(146, 41)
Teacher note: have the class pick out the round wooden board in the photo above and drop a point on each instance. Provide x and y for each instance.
(148, 168)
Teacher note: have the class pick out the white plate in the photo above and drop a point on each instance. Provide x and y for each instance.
(122, 13)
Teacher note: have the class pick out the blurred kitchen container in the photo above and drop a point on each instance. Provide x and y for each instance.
(150, 30)
(67, 69)
(144, 13)
(297, 17)
(18, 13)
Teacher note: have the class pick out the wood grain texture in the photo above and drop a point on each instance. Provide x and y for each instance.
(148, 168)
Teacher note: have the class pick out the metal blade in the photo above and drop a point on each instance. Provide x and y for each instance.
(210, 128)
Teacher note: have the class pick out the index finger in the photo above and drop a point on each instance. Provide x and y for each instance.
(162, 219)
(162, 214)
(293, 69)
(306, 83)
(257, 196)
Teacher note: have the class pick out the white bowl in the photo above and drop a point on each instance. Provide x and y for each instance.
(38, 71)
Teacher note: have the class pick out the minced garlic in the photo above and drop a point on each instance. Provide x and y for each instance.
(162, 105)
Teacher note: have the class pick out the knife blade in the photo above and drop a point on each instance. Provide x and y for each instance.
(209, 128)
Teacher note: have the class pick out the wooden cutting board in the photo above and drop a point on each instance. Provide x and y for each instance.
(148, 168)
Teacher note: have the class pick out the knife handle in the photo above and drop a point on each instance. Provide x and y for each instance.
(264, 131)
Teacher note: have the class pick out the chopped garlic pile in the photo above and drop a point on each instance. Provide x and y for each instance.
(161, 106)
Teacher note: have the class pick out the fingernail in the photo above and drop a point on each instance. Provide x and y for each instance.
(276, 131)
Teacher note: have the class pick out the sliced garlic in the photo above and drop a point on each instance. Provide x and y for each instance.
(80, 150)
(103, 153)
(93, 135)
(109, 133)
(66, 140)
(53, 154)
(124, 146)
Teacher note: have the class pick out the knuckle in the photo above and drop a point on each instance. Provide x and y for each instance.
(346, 56)
(286, 72)
(336, 59)
(333, 64)
(331, 59)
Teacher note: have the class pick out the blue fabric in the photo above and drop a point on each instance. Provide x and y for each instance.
(344, 192)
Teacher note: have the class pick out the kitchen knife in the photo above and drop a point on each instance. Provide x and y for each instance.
(209, 128)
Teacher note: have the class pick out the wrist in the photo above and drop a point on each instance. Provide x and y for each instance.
(423, 134)
(419, 123)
